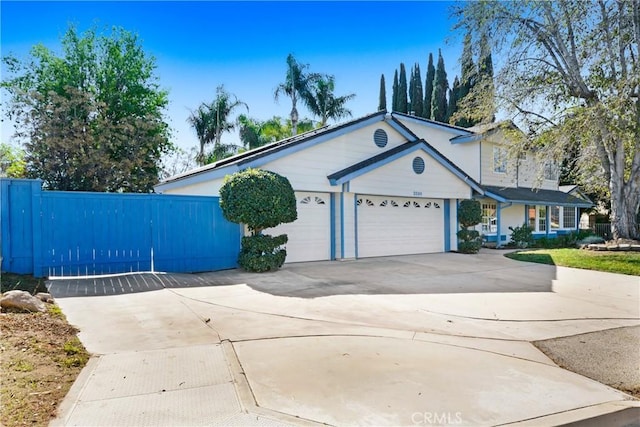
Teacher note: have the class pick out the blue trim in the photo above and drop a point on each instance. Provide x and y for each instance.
(494, 237)
(430, 123)
(355, 223)
(447, 225)
(312, 141)
(529, 202)
(498, 221)
(412, 148)
(465, 138)
(398, 127)
(332, 224)
(342, 225)
(196, 178)
(547, 222)
(526, 215)
(480, 162)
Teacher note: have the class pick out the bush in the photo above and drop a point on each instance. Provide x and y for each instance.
(590, 240)
(521, 237)
(469, 241)
(260, 199)
(469, 214)
(262, 252)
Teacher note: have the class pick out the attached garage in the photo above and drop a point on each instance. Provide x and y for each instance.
(399, 226)
(309, 235)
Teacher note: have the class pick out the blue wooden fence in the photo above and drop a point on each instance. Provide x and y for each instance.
(59, 233)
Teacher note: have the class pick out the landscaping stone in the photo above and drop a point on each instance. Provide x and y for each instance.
(21, 301)
(45, 297)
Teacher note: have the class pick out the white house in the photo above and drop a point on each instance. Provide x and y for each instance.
(389, 184)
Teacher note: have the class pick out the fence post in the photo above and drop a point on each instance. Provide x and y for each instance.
(36, 226)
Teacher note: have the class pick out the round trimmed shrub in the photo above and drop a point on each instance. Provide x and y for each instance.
(260, 199)
(469, 214)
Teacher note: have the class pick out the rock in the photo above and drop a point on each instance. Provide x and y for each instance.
(21, 301)
(624, 246)
(613, 247)
(635, 248)
(45, 297)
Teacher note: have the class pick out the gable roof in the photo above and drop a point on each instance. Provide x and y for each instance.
(432, 123)
(388, 156)
(247, 158)
(530, 196)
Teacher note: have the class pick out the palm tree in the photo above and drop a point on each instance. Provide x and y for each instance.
(296, 85)
(323, 103)
(210, 121)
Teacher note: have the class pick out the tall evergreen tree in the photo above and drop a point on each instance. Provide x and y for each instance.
(439, 97)
(485, 77)
(382, 100)
(394, 92)
(417, 96)
(467, 67)
(402, 90)
(412, 85)
(428, 88)
(454, 96)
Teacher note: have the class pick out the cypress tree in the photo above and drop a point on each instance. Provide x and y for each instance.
(382, 103)
(412, 85)
(454, 96)
(439, 97)
(467, 67)
(485, 76)
(394, 92)
(402, 90)
(417, 99)
(428, 88)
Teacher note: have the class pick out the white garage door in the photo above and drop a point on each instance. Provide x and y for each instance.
(399, 226)
(309, 235)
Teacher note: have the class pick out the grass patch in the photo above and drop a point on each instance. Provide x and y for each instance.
(611, 262)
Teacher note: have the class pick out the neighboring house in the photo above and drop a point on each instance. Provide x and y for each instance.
(389, 184)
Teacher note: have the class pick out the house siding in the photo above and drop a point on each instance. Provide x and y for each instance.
(308, 169)
(398, 179)
(465, 155)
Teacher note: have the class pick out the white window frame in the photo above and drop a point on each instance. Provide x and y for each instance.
(489, 222)
(557, 224)
(499, 159)
(551, 172)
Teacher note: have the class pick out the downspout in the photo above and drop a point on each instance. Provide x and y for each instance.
(547, 225)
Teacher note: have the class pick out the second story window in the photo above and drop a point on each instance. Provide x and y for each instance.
(499, 160)
(550, 171)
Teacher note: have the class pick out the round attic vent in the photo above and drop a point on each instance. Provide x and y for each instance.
(418, 165)
(380, 138)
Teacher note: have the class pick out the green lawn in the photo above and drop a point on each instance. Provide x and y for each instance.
(613, 262)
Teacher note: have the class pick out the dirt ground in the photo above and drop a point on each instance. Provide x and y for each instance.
(40, 358)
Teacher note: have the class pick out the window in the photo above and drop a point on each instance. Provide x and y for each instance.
(550, 171)
(569, 217)
(554, 216)
(532, 217)
(542, 218)
(499, 160)
(489, 221)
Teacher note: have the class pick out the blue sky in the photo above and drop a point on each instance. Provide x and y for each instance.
(243, 45)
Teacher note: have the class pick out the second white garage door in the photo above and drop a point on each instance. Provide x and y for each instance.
(309, 235)
(399, 226)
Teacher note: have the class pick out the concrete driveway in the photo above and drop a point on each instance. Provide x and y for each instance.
(442, 339)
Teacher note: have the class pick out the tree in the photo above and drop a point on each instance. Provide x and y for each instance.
(439, 97)
(454, 95)
(12, 163)
(260, 199)
(211, 120)
(178, 161)
(428, 88)
(417, 100)
(91, 118)
(395, 91)
(469, 215)
(572, 70)
(323, 103)
(402, 90)
(295, 86)
(382, 99)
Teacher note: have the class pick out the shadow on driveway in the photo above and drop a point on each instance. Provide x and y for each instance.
(488, 271)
